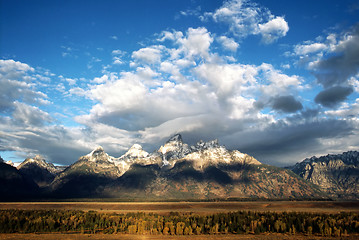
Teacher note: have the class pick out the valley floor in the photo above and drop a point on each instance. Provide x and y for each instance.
(190, 207)
(16, 236)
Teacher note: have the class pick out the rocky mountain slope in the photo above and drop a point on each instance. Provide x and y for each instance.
(14, 185)
(42, 172)
(178, 171)
(338, 175)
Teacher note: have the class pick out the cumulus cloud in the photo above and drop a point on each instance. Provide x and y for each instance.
(10, 68)
(228, 43)
(333, 61)
(227, 78)
(305, 49)
(273, 30)
(247, 18)
(148, 55)
(197, 42)
(77, 91)
(339, 68)
(117, 56)
(241, 15)
(346, 111)
(117, 60)
(120, 94)
(16, 85)
(29, 115)
(192, 46)
(277, 82)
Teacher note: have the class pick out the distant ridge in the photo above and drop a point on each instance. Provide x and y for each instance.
(336, 174)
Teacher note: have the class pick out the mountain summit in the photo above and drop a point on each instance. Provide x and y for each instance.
(175, 138)
(136, 151)
(42, 172)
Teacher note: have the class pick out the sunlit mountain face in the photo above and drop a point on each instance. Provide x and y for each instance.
(277, 80)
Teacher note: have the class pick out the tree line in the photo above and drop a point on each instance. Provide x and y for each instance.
(241, 222)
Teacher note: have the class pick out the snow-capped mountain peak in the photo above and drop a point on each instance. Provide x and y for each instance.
(175, 138)
(98, 154)
(173, 150)
(173, 144)
(136, 151)
(201, 145)
(202, 155)
(39, 161)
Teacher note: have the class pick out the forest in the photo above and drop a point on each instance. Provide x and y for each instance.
(240, 222)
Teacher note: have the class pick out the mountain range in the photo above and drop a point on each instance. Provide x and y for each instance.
(177, 171)
(336, 174)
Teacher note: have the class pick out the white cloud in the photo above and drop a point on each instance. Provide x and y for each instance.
(228, 43)
(354, 82)
(242, 108)
(197, 42)
(148, 76)
(24, 114)
(78, 92)
(71, 81)
(277, 83)
(118, 56)
(118, 52)
(309, 48)
(60, 87)
(273, 30)
(17, 84)
(246, 18)
(227, 78)
(109, 77)
(194, 45)
(117, 61)
(12, 67)
(346, 111)
(285, 66)
(119, 94)
(241, 15)
(166, 35)
(148, 55)
(334, 61)
(191, 12)
(173, 69)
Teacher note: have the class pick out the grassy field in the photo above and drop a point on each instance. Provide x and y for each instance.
(149, 237)
(193, 207)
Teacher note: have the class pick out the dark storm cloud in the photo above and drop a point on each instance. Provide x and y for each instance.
(332, 96)
(56, 144)
(284, 144)
(287, 104)
(337, 69)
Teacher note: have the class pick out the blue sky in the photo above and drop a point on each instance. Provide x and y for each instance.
(275, 79)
